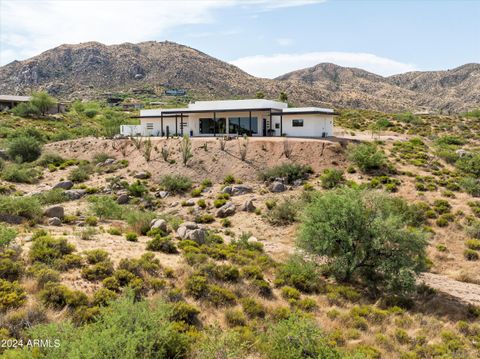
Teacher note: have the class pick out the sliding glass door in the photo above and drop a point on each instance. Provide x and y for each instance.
(243, 125)
(209, 127)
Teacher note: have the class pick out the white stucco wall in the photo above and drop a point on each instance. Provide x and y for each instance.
(313, 125)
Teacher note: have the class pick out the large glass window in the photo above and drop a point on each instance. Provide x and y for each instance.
(243, 125)
(297, 123)
(209, 126)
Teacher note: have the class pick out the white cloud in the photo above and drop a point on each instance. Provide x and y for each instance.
(279, 64)
(31, 26)
(284, 41)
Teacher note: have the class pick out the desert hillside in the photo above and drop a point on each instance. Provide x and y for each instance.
(89, 70)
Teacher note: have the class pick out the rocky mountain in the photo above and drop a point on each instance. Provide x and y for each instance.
(89, 69)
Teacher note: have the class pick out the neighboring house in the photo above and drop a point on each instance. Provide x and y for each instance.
(7, 102)
(256, 117)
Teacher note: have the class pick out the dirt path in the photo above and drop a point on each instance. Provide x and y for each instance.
(464, 292)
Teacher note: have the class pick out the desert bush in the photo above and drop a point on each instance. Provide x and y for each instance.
(98, 271)
(471, 186)
(50, 159)
(48, 249)
(473, 244)
(20, 206)
(114, 231)
(252, 308)
(26, 109)
(332, 178)
(220, 296)
(290, 293)
(103, 297)
(95, 256)
(294, 336)
(59, 296)
(243, 147)
(139, 221)
(105, 207)
(471, 254)
(44, 275)
(131, 237)
(7, 235)
(53, 196)
(197, 286)
(365, 236)
(24, 149)
(20, 173)
(80, 173)
(367, 156)
(226, 273)
(289, 171)
(283, 213)
(42, 101)
(301, 274)
(69, 261)
(176, 183)
(184, 312)
(204, 218)
(162, 244)
(470, 164)
(235, 318)
(12, 295)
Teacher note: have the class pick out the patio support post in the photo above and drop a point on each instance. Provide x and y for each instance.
(161, 123)
(176, 125)
(181, 124)
(281, 124)
(270, 129)
(214, 124)
(250, 122)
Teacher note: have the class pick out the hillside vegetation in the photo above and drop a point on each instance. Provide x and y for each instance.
(243, 248)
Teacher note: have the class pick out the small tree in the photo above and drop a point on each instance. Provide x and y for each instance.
(260, 94)
(24, 149)
(186, 149)
(283, 97)
(366, 237)
(43, 101)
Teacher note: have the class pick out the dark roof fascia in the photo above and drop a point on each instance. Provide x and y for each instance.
(167, 113)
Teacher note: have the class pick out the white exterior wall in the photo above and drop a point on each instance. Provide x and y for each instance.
(313, 125)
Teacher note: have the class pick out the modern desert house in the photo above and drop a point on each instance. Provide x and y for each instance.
(257, 117)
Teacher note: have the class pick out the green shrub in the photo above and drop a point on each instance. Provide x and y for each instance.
(105, 207)
(59, 296)
(470, 164)
(50, 159)
(98, 271)
(95, 256)
(201, 203)
(471, 186)
(196, 192)
(53, 196)
(366, 236)
(197, 286)
(204, 218)
(69, 261)
(283, 213)
(290, 293)
(235, 318)
(80, 174)
(219, 202)
(306, 304)
(367, 157)
(220, 296)
(26, 109)
(131, 237)
(289, 171)
(24, 149)
(103, 297)
(184, 312)
(137, 189)
(47, 249)
(20, 173)
(300, 274)
(226, 273)
(45, 275)
(176, 183)
(91, 221)
(252, 308)
(229, 179)
(332, 178)
(473, 244)
(162, 244)
(11, 267)
(293, 337)
(12, 295)
(139, 221)
(114, 231)
(7, 235)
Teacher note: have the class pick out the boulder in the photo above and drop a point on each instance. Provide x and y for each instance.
(63, 185)
(109, 161)
(248, 205)
(298, 182)
(237, 190)
(277, 186)
(123, 198)
(192, 231)
(11, 218)
(141, 175)
(161, 194)
(160, 224)
(74, 194)
(54, 211)
(54, 221)
(228, 209)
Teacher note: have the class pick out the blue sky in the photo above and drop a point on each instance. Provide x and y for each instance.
(264, 37)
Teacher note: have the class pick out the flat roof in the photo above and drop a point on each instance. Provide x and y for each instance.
(14, 98)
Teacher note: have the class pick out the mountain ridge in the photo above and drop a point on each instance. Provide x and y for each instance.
(88, 69)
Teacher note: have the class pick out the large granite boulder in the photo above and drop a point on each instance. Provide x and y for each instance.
(54, 211)
(63, 185)
(228, 209)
